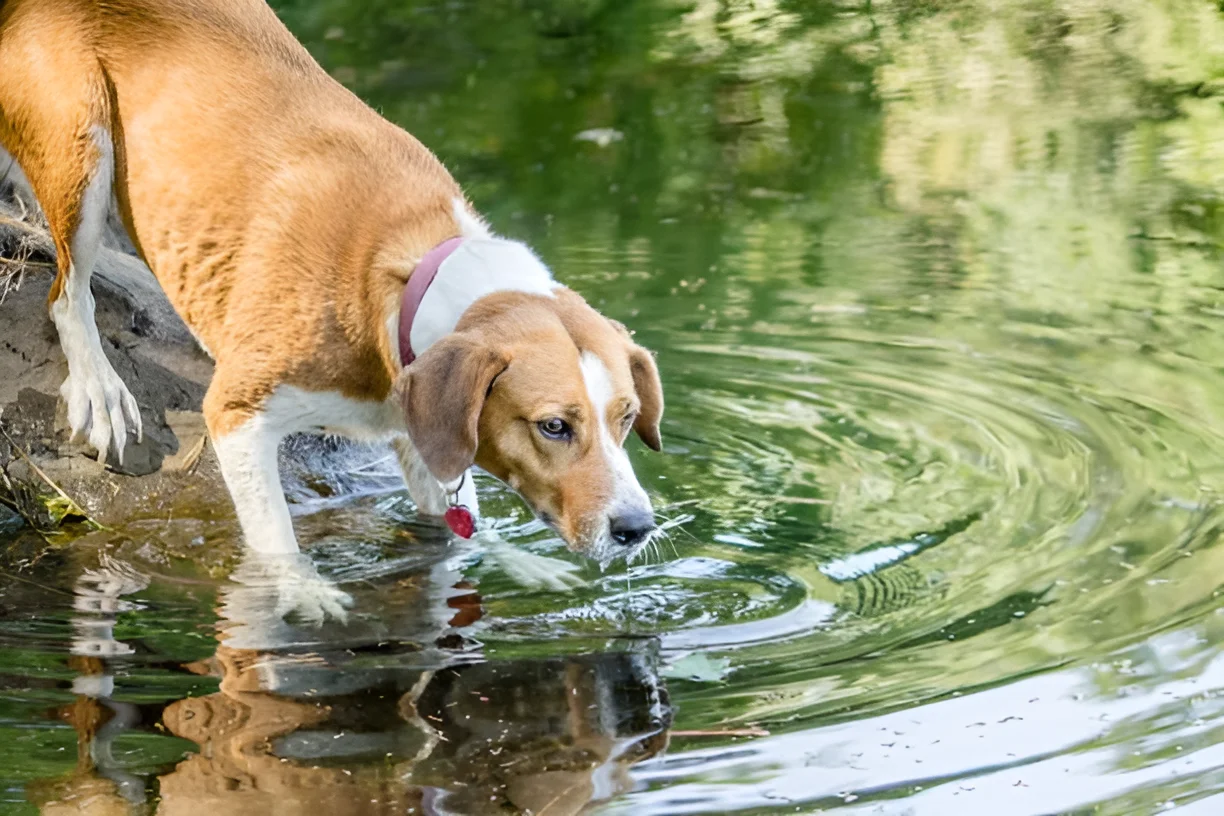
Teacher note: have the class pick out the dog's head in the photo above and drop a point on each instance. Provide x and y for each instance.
(542, 392)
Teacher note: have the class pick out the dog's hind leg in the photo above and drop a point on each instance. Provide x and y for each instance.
(99, 403)
(57, 123)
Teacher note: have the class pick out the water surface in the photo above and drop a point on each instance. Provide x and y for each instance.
(936, 291)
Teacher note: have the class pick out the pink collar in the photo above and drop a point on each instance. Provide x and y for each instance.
(414, 293)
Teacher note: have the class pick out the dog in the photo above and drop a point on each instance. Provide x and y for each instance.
(327, 262)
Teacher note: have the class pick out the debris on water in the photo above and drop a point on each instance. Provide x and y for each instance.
(600, 136)
(735, 540)
(859, 564)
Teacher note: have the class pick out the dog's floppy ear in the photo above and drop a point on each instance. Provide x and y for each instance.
(648, 387)
(650, 394)
(443, 392)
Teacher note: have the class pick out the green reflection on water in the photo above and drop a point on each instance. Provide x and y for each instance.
(936, 292)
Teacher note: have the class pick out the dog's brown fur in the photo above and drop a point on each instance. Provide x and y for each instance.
(260, 191)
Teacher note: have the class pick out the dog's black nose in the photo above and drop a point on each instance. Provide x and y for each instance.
(632, 528)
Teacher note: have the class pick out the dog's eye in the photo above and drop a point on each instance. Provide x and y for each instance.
(627, 422)
(556, 428)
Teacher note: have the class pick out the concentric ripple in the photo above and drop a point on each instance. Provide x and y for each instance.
(904, 484)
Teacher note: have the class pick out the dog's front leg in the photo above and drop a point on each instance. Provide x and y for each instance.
(247, 453)
(429, 495)
(247, 448)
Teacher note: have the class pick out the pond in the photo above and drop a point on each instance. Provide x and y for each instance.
(937, 292)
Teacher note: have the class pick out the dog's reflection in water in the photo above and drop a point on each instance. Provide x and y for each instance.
(308, 733)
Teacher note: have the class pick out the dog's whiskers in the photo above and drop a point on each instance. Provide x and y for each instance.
(679, 526)
(664, 530)
(667, 537)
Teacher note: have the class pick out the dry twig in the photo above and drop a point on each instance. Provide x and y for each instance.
(25, 243)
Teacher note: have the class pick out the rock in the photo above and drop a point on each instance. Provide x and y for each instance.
(10, 521)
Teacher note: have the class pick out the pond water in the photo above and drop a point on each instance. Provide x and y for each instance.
(938, 298)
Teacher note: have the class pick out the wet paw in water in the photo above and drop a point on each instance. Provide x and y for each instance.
(285, 587)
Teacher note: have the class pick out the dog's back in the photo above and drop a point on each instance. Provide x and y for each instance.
(230, 145)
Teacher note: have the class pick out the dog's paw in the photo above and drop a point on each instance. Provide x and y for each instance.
(101, 408)
(271, 588)
(312, 600)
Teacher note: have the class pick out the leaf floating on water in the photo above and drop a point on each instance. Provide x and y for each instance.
(60, 510)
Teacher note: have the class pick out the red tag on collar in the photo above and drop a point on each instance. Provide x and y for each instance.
(460, 520)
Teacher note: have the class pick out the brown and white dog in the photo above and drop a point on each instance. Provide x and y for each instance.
(284, 219)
